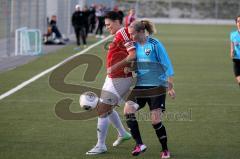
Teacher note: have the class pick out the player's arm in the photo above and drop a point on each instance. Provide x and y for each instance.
(130, 58)
(131, 55)
(164, 59)
(231, 50)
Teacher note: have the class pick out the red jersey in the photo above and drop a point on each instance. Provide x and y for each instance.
(118, 50)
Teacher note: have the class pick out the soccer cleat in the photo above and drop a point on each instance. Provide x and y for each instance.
(97, 150)
(121, 139)
(165, 154)
(139, 149)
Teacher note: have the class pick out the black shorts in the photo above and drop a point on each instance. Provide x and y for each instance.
(154, 96)
(236, 67)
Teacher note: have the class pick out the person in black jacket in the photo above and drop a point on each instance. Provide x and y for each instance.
(86, 14)
(78, 19)
(92, 18)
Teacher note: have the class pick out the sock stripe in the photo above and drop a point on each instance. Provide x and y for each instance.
(159, 127)
(131, 119)
(162, 137)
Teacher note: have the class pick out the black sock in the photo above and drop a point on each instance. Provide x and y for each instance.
(133, 126)
(162, 135)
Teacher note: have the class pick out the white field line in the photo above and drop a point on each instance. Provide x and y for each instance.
(25, 83)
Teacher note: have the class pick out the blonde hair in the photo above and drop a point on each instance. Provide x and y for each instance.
(144, 25)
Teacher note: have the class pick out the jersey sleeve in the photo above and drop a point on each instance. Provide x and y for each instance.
(163, 58)
(124, 37)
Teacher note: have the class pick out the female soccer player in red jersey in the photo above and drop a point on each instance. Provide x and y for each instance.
(117, 83)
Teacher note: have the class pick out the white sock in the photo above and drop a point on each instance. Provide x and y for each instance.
(102, 128)
(116, 121)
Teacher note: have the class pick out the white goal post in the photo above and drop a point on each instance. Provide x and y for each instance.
(28, 41)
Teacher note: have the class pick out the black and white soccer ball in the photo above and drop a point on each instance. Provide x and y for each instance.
(88, 100)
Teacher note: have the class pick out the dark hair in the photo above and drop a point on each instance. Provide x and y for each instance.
(237, 18)
(112, 15)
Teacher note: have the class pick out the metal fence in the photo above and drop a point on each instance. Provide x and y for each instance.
(33, 13)
(183, 9)
(193, 9)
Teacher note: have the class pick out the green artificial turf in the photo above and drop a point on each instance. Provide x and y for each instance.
(202, 122)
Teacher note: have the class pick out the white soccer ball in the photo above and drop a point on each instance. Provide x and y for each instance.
(88, 100)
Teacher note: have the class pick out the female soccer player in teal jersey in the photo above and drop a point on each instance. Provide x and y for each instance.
(235, 49)
(154, 78)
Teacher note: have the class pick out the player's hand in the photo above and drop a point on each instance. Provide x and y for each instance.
(171, 91)
(127, 70)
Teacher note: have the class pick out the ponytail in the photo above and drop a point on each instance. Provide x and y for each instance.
(149, 26)
(144, 25)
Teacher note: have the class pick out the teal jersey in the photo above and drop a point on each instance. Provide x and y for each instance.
(153, 64)
(235, 39)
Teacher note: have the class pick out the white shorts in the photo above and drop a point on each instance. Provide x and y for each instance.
(114, 90)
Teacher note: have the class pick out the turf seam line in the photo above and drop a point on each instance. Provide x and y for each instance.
(34, 78)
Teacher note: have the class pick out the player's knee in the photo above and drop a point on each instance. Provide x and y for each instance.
(155, 121)
(156, 116)
(103, 109)
(130, 107)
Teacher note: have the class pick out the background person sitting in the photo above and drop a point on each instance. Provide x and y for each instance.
(53, 24)
(53, 35)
